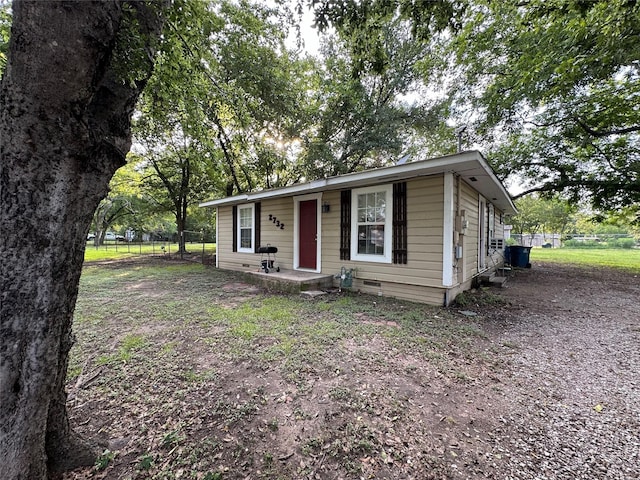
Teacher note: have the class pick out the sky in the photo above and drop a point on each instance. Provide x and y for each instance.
(309, 34)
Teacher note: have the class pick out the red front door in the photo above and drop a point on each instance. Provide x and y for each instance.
(308, 234)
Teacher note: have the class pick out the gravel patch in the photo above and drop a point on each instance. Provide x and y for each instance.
(571, 396)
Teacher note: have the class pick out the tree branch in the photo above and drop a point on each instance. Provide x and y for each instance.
(605, 133)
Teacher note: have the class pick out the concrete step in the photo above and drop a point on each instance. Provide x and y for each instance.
(496, 281)
(486, 278)
(504, 271)
(492, 279)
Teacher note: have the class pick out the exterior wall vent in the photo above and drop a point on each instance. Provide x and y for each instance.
(496, 244)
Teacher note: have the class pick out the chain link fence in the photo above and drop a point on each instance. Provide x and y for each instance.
(198, 246)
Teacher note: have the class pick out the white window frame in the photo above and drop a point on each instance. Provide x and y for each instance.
(249, 206)
(388, 224)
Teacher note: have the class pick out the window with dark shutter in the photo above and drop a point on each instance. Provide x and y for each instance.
(256, 226)
(345, 225)
(399, 251)
(235, 229)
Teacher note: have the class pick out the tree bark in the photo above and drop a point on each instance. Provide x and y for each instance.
(74, 73)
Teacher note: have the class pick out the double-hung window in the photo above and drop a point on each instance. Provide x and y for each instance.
(246, 228)
(371, 228)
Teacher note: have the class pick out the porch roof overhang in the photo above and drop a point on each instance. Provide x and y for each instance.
(470, 166)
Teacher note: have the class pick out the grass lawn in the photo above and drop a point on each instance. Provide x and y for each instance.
(114, 251)
(196, 374)
(191, 373)
(624, 259)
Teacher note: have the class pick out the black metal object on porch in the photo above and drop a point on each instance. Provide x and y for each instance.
(268, 258)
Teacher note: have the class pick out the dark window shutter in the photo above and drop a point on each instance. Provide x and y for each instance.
(256, 226)
(399, 251)
(235, 229)
(345, 225)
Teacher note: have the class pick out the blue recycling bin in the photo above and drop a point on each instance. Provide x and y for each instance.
(518, 256)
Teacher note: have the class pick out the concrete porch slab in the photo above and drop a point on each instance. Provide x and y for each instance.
(290, 281)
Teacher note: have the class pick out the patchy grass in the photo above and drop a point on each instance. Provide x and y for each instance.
(119, 251)
(481, 297)
(622, 259)
(193, 374)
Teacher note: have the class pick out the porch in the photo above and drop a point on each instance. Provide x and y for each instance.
(290, 281)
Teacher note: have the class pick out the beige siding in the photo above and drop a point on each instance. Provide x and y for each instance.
(331, 233)
(469, 203)
(413, 293)
(424, 217)
(224, 236)
(496, 257)
(499, 231)
(419, 280)
(282, 209)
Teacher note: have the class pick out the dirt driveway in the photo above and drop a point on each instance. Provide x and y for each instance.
(571, 391)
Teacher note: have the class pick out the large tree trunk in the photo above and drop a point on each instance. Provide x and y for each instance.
(65, 128)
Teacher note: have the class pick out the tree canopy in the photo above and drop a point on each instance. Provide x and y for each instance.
(223, 89)
(548, 89)
(262, 115)
(542, 215)
(363, 120)
(552, 88)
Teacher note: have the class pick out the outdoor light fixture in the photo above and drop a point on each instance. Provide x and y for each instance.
(326, 207)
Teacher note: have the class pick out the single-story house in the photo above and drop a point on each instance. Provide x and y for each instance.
(421, 230)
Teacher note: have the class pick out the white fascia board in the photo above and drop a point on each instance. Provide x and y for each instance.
(499, 184)
(407, 170)
(472, 160)
(299, 189)
(224, 201)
